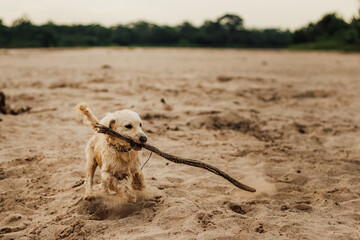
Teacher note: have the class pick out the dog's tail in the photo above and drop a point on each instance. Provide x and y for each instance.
(83, 108)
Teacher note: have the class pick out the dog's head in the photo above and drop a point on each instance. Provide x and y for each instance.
(127, 123)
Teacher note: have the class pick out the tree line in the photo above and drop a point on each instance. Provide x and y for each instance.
(226, 31)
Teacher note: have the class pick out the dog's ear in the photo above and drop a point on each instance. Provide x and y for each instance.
(112, 123)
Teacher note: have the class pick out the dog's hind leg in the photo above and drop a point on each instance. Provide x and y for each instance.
(91, 165)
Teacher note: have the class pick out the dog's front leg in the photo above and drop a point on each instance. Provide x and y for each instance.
(138, 182)
(109, 181)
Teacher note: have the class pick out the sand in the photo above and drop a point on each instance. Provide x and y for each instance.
(286, 123)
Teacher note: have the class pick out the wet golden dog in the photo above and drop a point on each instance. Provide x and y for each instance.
(119, 163)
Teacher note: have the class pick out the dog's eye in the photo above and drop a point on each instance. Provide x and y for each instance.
(129, 126)
(140, 125)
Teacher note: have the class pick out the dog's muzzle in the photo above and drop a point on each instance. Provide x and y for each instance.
(143, 139)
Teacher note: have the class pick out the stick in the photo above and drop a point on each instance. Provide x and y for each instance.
(78, 183)
(42, 110)
(195, 163)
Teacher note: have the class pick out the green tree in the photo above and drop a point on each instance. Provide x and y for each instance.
(355, 24)
(187, 33)
(4, 35)
(142, 32)
(231, 23)
(122, 35)
(330, 27)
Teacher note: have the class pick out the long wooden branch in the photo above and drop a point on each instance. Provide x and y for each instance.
(195, 163)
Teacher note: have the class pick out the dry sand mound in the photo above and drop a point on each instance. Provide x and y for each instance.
(230, 120)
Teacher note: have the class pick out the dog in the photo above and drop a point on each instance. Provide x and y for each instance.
(118, 161)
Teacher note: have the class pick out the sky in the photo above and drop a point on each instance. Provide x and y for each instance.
(284, 14)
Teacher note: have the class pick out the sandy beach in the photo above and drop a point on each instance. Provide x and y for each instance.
(286, 123)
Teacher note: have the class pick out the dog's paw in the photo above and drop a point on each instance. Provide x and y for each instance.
(131, 199)
(138, 186)
(88, 196)
(138, 182)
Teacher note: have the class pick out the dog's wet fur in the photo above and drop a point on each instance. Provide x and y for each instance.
(118, 162)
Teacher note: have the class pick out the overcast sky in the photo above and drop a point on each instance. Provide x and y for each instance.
(256, 13)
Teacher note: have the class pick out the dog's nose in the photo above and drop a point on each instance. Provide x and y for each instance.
(143, 139)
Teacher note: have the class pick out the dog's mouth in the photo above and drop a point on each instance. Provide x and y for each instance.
(136, 147)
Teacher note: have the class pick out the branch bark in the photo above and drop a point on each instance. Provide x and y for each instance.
(191, 162)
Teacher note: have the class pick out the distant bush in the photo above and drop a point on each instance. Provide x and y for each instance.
(330, 32)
